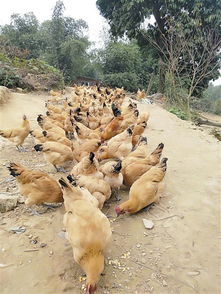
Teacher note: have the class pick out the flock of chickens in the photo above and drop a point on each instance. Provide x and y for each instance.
(99, 135)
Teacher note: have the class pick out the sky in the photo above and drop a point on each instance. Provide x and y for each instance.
(85, 9)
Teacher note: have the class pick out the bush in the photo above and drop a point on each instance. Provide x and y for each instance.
(179, 113)
(125, 79)
(33, 74)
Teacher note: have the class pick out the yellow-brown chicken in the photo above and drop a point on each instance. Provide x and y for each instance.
(73, 191)
(140, 152)
(138, 166)
(38, 136)
(17, 135)
(137, 132)
(113, 127)
(130, 120)
(56, 137)
(47, 125)
(141, 94)
(87, 166)
(38, 187)
(84, 132)
(89, 232)
(117, 147)
(100, 189)
(113, 176)
(56, 153)
(145, 190)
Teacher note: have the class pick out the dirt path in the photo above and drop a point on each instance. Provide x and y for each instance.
(178, 256)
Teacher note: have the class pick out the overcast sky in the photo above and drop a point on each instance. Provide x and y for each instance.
(85, 9)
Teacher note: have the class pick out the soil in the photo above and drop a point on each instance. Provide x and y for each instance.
(178, 256)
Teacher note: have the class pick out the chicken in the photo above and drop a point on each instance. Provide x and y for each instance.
(88, 166)
(117, 147)
(56, 153)
(137, 132)
(136, 166)
(37, 186)
(140, 152)
(143, 117)
(84, 132)
(99, 188)
(56, 137)
(38, 136)
(145, 190)
(86, 147)
(93, 122)
(113, 176)
(130, 120)
(74, 192)
(89, 232)
(113, 127)
(17, 135)
(47, 125)
(141, 94)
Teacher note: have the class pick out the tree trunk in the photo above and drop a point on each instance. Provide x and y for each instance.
(150, 84)
(201, 121)
(161, 86)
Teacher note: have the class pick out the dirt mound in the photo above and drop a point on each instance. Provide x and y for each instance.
(5, 94)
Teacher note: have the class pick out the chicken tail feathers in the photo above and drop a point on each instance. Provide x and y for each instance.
(72, 180)
(15, 170)
(63, 183)
(38, 147)
(163, 163)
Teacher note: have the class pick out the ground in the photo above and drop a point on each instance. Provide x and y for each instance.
(178, 256)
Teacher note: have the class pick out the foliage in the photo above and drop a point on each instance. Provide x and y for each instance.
(190, 29)
(211, 100)
(124, 65)
(178, 112)
(61, 41)
(14, 73)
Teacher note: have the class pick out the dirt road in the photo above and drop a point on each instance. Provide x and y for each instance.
(178, 256)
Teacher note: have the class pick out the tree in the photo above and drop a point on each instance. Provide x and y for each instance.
(129, 18)
(23, 33)
(123, 65)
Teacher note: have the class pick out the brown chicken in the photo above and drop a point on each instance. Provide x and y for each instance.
(138, 166)
(145, 190)
(89, 232)
(17, 135)
(99, 188)
(130, 120)
(38, 187)
(113, 176)
(141, 94)
(38, 136)
(137, 132)
(140, 152)
(113, 127)
(117, 147)
(88, 166)
(48, 125)
(57, 137)
(56, 153)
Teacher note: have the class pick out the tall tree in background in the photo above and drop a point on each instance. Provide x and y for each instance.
(130, 18)
(23, 33)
